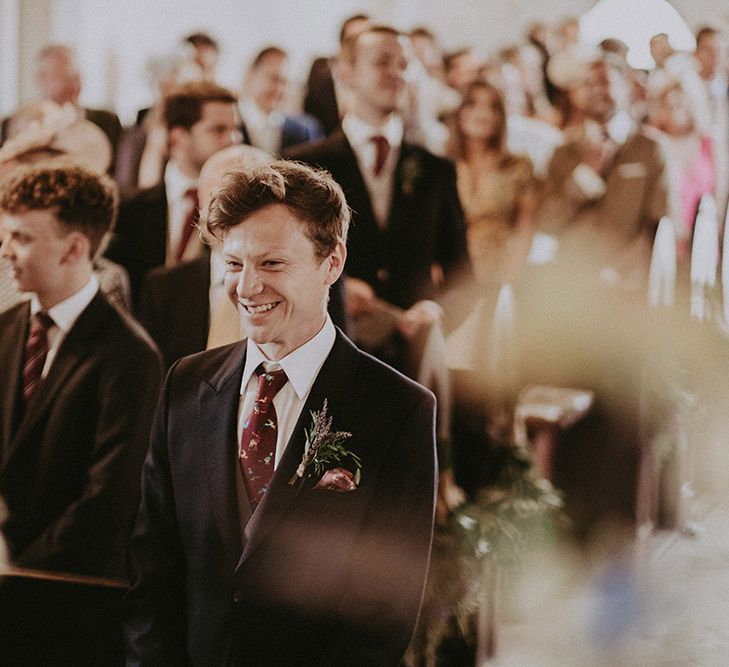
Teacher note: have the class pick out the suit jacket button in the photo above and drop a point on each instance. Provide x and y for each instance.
(237, 596)
(383, 275)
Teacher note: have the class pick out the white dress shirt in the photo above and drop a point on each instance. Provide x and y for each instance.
(178, 207)
(265, 130)
(64, 316)
(380, 187)
(301, 367)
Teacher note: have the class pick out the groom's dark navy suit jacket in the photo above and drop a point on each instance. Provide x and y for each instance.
(317, 577)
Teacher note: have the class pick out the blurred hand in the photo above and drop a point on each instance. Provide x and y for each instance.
(421, 314)
(359, 297)
(450, 496)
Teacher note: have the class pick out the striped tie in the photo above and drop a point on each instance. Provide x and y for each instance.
(36, 350)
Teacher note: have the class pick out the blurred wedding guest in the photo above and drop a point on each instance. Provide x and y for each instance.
(58, 79)
(80, 383)
(157, 226)
(661, 49)
(407, 244)
(461, 69)
(689, 151)
(711, 56)
(324, 97)
(567, 72)
(266, 124)
(205, 53)
(185, 307)
(427, 99)
(497, 189)
(142, 152)
(42, 130)
(606, 188)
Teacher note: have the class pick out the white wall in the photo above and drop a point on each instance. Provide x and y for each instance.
(115, 37)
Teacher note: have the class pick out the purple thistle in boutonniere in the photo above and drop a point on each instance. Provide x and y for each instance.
(409, 174)
(324, 448)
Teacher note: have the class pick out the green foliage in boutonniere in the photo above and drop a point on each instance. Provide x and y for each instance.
(410, 173)
(324, 448)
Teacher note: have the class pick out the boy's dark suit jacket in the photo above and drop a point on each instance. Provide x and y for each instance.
(70, 465)
(425, 224)
(317, 577)
(69, 475)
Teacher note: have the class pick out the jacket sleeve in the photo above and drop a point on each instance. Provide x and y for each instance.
(155, 625)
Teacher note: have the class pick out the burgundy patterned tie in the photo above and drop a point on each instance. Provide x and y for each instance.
(36, 351)
(257, 450)
(190, 224)
(382, 149)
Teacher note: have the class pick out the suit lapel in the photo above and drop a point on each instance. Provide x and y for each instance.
(218, 399)
(334, 383)
(73, 351)
(11, 360)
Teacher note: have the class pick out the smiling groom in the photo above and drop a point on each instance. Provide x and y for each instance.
(288, 493)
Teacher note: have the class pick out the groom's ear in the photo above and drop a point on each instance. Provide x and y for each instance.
(335, 263)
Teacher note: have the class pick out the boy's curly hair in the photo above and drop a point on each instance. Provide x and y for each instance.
(80, 199)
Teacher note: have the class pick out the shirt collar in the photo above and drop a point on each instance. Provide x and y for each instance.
(254, 115)
(301, 365)
(65, 313)
(359, 132)
(618, 128)
(176, 183)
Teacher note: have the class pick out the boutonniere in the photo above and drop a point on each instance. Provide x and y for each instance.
(324, 452)
(410, 172)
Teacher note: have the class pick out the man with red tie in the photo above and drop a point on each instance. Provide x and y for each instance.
(157, 226)
(288, 493)
(407, 246)
(80, 380)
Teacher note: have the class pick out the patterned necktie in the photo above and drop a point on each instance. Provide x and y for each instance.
(189, 225)
(257, 450)
(382, 150)
(36, 351)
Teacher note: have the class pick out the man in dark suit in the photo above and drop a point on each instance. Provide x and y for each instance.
(76, 402)
(58, 80)
(407, 244)
(237, 524)
(156, 225)
(265, 125)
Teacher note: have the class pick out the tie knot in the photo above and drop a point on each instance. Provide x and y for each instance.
(270, 382)
(382, 148)
(41, 321)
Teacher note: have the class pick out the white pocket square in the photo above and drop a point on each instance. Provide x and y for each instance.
(632, 170)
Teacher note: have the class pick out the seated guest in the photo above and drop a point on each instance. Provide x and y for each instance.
(58, 79)
(156, 225)
(265, 124)
(80, 384)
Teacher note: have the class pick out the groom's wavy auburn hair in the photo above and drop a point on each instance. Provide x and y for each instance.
(311, 195)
